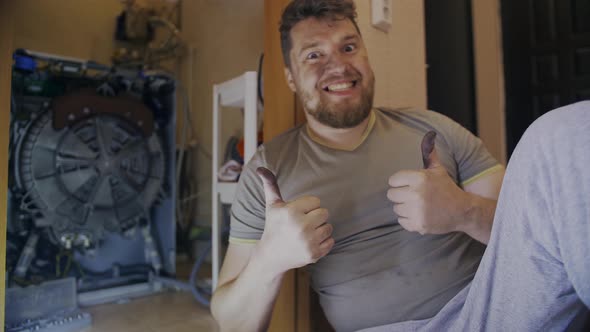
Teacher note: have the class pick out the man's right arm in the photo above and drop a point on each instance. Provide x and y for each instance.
(244, 277)
(295, 234)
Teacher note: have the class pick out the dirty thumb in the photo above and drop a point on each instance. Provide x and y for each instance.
(429, 155)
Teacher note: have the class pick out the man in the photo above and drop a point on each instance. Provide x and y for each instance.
(389, 225)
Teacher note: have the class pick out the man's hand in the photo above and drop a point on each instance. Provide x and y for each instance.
(296, 233)
(428, 201)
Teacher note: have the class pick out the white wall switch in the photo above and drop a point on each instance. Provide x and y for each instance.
(381, 14)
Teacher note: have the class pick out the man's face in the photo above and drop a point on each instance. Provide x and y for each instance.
(330, 72)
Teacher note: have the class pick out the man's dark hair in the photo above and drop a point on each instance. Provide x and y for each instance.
(299, 10)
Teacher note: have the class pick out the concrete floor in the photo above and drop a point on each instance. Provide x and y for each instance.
(164, 312)
(168, 311)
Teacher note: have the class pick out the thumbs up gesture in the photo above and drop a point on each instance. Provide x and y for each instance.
(296, 233)
(427, 201)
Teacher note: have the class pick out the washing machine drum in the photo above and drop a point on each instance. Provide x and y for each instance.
(98, 173)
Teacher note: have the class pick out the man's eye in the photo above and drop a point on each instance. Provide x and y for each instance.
(349, 48)
(313, 56)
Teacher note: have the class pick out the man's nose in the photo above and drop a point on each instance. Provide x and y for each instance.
(336, 63)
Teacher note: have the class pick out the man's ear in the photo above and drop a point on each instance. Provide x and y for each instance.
(289, 78)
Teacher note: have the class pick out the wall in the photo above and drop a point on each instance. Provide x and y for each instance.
(81, 29)
(489, 76)
(398, 57)
(227, 38)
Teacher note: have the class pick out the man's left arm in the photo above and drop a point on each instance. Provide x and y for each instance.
(481, 198)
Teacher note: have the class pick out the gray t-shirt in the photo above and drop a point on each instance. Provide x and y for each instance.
(377, 272)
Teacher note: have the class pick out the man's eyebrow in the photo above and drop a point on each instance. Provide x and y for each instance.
(308, 45)
(350, 37)
(312, 44)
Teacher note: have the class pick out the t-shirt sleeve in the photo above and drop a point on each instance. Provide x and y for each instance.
(472, 158)
(248, 207)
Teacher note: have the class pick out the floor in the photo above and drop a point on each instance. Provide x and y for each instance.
(164, 312)
(169, 311)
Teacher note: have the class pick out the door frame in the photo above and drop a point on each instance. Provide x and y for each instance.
(489, 76)
(450, 60)
(6, 47)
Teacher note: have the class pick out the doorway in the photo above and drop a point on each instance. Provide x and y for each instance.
(449, 56)
(546, 59)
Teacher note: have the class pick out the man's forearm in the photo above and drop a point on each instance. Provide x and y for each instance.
(233, 305)
(478, 217)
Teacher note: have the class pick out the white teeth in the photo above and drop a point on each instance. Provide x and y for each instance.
(340, 86)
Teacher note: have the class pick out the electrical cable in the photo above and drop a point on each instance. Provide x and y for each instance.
(186, 126)
(168, 44)
(195, 290)
(193, 278)
(187, 122)
(192, 197)
(192, 281)
(200, 294)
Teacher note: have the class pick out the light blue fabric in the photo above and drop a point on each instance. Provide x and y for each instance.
(535, 273)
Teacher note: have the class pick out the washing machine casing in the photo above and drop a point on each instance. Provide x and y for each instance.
(92, 169)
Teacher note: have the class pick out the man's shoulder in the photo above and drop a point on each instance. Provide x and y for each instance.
(284, 139)
(413, 114)
(279, 146)
(418, 119)
(451, 135)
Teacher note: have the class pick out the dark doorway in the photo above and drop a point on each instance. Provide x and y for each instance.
(449, 55)
(546, 59)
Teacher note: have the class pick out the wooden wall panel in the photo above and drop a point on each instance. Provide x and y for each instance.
(280, 115)
(6, 36)
(279, 101)
(489, 75)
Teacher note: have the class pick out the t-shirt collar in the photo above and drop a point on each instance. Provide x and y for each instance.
(364, 136)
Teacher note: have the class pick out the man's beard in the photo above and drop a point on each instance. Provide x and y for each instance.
(341, 115)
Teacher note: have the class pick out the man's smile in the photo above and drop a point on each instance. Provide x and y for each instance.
(340, 86)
